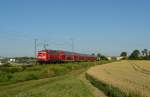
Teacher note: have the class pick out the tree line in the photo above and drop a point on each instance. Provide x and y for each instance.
(137, 55)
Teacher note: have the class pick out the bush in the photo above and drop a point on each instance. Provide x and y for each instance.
(5, 76)
(6, 65)
(31, 77)
(11, 69)
(59, 70)
(15, 74)
(35, 68)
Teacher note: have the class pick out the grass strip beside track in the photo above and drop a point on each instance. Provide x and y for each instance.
(61, 86)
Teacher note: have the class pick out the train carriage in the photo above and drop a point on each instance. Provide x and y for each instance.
(47, 56)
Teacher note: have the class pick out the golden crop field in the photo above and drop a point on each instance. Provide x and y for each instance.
(128, 76)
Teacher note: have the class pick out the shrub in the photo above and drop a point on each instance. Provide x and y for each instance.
(31, 77)
(59, 70)
(11, 69)
(5, 76)
(6, 65)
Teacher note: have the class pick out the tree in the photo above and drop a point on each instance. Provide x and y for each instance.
(98, 56)
(103, 57)
(149, 54)
(93, 54)
(146, 52)
(143, 53)
(123, 54)
(135, 55)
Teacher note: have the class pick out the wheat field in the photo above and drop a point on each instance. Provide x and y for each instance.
(128, 76)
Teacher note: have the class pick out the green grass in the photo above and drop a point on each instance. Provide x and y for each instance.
(62, 86)
(53, 80)
(15, 74)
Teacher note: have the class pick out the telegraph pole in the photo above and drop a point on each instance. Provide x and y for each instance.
(72, 45)
(35, 47)
(45, 45)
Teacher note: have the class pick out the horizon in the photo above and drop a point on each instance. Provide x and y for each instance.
(95, 26)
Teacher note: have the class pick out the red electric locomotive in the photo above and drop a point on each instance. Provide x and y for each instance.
(46, 56)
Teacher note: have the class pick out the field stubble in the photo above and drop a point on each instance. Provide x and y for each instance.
(128, 76)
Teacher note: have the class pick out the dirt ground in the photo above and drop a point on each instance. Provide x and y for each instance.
(96, 92)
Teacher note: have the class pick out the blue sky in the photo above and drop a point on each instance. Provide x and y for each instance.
(105, 26)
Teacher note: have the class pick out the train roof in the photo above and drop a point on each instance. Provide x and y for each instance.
(68, 52)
